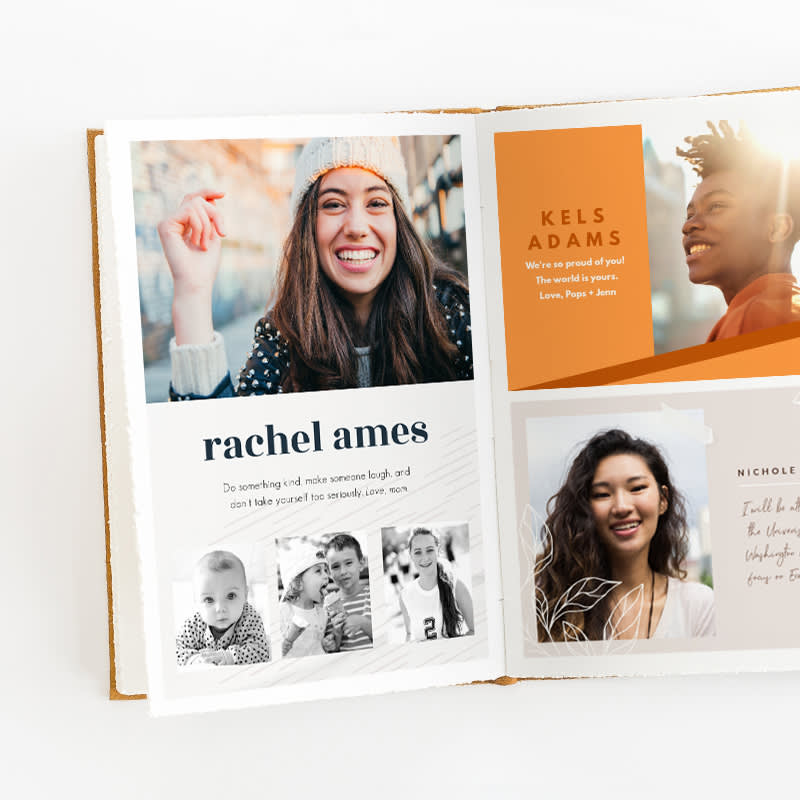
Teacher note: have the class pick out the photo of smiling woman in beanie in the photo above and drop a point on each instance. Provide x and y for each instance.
(359, 300)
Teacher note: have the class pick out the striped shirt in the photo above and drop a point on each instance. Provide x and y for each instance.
(359, 604)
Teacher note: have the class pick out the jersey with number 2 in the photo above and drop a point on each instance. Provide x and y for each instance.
(424, 609)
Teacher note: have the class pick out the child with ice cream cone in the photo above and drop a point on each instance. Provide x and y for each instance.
(345, 562)
(308, 626)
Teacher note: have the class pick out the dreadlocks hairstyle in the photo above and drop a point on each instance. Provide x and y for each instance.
(451, 617)
(406, 329)
(574, 547)
(775, 179)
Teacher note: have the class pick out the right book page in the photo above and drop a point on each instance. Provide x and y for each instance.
(645, 330)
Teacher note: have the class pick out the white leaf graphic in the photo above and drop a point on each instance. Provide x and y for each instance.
(530, 548)
(542, 607)
(583, 595)
(629, 602)
(542, 530)
(572, 633)
(527, 541)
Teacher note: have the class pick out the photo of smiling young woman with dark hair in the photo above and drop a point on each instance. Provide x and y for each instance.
(742, 224)
(436, 604)
(612, 552)
(433, 598)
(360, 300)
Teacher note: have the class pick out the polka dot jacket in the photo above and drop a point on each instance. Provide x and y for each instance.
(243, 643)
(269, 357)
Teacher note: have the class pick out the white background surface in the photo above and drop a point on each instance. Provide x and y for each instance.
(68, 66)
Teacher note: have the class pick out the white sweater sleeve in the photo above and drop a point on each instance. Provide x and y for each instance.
(198, 368)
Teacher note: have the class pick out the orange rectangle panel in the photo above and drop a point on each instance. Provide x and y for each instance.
(573, 248)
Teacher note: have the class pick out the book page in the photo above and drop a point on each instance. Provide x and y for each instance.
(355, 526)
(649, 527)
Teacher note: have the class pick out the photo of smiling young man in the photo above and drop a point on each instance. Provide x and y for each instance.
(742, 224)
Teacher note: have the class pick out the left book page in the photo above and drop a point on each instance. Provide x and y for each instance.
(316, 517)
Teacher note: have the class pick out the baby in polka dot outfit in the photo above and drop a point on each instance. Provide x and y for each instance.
(225, 629)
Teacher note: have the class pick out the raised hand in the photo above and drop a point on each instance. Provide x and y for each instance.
(355, 624)
(338, 619)
(191, 238)
(330, 644)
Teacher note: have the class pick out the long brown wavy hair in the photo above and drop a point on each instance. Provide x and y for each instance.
(406, 330)
(574, 550)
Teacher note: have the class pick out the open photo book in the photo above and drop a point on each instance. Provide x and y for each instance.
(416, 399)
